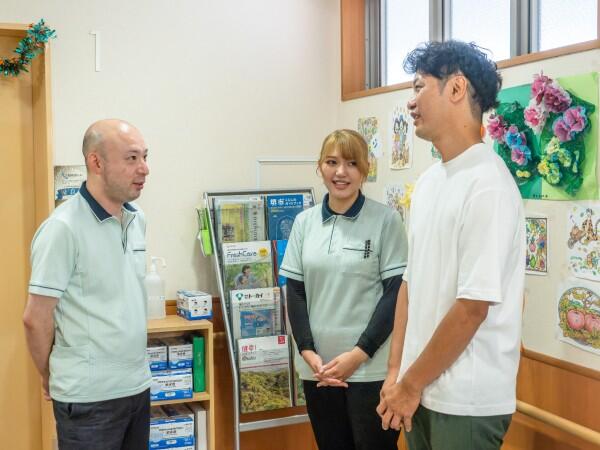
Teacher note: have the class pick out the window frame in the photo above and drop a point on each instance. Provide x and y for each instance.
(354, 46)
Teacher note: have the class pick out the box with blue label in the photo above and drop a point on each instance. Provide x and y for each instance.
(194, 305)
(179, 353)
(195, 313)
(156, 352)
(171, 385)
(171, 427)
(193, 299)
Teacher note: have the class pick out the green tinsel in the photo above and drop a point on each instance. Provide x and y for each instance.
(28, 48)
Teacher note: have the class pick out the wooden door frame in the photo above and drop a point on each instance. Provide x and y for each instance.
(43, 172)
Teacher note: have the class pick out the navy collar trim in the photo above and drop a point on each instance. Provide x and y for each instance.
(352, 213)
(100, 213)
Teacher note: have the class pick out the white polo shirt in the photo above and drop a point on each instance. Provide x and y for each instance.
(467, 240)
(342, 260)
(95, 265)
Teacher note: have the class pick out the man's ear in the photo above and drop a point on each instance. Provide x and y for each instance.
(458, 88)
(94, 162)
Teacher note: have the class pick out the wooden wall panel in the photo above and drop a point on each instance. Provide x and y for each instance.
(353, 45)
(565, 393)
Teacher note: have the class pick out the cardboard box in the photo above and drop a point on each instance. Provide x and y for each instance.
(179, 353)
(171, 385)
(156, 351)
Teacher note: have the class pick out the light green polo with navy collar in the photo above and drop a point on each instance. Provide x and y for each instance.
(95, 266)
(342, 260)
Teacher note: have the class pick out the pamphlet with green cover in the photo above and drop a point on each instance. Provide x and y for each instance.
(265, 381)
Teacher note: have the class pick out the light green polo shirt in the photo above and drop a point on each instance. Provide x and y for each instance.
(342, 260)
(95, 265)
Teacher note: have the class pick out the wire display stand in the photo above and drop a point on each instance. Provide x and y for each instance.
(238, 425)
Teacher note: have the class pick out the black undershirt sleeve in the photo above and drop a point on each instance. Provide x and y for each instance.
(298, 314)
(382, 321)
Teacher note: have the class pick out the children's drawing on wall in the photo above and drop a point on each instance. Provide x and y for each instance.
(579, 315)
(397, 196)
(546, 133)
(537, 245)
(392, 196)
(368, 127)
(584, 240)
(402, 139)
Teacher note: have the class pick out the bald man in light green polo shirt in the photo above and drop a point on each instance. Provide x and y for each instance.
(85, 319)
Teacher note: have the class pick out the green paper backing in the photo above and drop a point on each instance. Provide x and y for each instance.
(584, 86)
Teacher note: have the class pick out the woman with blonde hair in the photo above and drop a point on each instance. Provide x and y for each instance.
(344, 263)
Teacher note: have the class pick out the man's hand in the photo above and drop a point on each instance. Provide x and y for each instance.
(390, 380)
(45, 387)
(398, 404)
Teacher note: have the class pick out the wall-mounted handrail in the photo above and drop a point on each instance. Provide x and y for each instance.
(587, 434)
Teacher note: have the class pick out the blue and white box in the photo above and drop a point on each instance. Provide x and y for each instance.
(171, 432)
(156, 351)
(194, 305)
(179, 353)
(193, 299)
(171, 385)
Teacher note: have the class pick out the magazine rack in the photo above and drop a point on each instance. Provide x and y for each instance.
(238, 425)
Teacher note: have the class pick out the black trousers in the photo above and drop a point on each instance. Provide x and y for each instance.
(346, 419)
(119, 424)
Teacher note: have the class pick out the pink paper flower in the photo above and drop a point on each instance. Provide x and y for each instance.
(535, 116)
(575, 118)
(496, 127)
(538, 86)
(556, 99)
(573, 121)
(518, 156)
(561, 130)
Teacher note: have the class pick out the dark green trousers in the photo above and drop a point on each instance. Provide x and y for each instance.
(436, 431)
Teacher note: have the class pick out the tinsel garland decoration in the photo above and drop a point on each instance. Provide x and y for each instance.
(30, 46)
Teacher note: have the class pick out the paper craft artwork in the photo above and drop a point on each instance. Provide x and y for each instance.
(546, 133)
(579, 315)
(583, 244)
(536, 262)
(369, 129)
(402, 139)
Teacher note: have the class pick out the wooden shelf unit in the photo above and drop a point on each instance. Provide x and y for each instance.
(173, 325)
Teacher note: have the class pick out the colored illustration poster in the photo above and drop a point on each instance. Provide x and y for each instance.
(369, 129)
(392, 196)
(579, 315)
(536, 262)
(402, 139)
(583, 244)
(546, 133)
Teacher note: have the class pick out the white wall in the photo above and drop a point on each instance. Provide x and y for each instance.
(539, 330)
(211, 84)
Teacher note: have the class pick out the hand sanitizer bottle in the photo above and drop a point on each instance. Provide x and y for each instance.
(155, 289)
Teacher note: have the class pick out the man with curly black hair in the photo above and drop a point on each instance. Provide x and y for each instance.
(455, 347)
